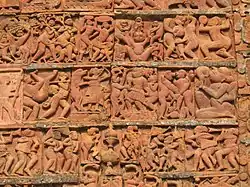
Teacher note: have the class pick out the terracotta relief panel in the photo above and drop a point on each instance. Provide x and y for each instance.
(11, 96)
(90, 93)
(46, 95)
(21, 153)
(134, 93)
(176, 94)
(183, 38)
(215, 92)
(61, 151)
(124, 93)
(50, 38)
(212, 149)
(222, 5)
(31, 6)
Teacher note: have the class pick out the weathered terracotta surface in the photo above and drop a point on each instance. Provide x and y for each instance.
(64, 38)
(124, 93)
(179, 38)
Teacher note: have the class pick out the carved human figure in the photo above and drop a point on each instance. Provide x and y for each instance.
(89, 145)
(169, 38)
(70, 152)
(75, 87)
(53, 147)
(219, 42)
(131, 143)
(36, 91)
(4, 46)
(204, 146)
(94, 93)
(27, 147)
(6, 157)
(175, 94)
(230, 148)
(220, 86)
(101, 41)
(189, 38)
(139, 44)
(8, 96)
(59, 97)
(117, 94)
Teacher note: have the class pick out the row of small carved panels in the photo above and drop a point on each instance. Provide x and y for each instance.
(149, 181)
(101, 94)
(70, 38)
(77, 5)
(113, 152)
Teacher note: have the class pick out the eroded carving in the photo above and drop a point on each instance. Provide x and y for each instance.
(46, 95)
(10, 96)
(211, 149)
(138, 40)
(56, 39)
(90, 92)
(215, 92)
(134, 93)
(61, 149)
(63, 5)
(21, 153)
(165, 151)
(176, 94)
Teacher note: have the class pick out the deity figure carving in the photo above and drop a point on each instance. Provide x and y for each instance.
(138, 40)
(10, 96)
(175, 91)
(212, 149)
(46, 95)
(134, 93)
(61, 151)
(90, 93)
(21, 153)
(215, 92)
(165, 151)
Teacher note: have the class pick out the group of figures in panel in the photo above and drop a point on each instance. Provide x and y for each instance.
(60, 5)
(56, 39)
(157, 149)
(74, 39)
(144, 93)
(179, 38)
(120, 93)
(26, 152)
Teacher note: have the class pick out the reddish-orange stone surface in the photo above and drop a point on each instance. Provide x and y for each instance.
(124, 93)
